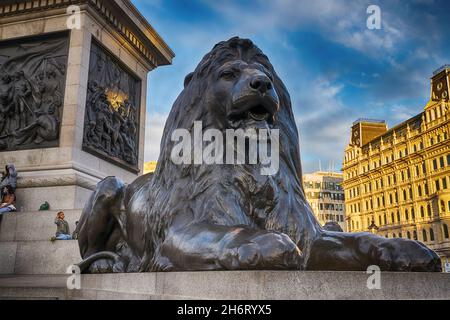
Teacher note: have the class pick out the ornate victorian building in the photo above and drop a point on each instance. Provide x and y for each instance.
(397, 181)
(326, 196)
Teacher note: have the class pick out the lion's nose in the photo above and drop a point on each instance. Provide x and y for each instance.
(261, 83)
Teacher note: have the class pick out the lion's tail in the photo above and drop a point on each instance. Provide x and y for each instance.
(86, 263)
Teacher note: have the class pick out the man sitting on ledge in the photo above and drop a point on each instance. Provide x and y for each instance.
(62, 231)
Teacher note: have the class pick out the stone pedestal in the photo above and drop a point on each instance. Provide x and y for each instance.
(64, 170)
(232, 285)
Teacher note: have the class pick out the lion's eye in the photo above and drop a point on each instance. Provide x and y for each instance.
(229, 74)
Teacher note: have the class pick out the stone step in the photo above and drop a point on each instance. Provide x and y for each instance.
(38, 257)
(232, 285)
(36, 225)
(33, 287)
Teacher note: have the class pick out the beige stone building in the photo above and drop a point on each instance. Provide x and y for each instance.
(326, 196)
(397, 181)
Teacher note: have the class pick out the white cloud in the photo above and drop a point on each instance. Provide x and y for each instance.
(153, 134)
(339, 21)
(324, 123)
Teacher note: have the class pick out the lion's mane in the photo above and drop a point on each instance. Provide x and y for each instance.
(223, 194)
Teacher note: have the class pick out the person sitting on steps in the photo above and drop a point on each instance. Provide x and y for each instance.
(62, 231)
(8, 200)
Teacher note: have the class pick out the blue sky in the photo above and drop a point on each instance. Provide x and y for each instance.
(336, 69)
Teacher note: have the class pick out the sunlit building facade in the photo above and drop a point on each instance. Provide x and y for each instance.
(150, 167)
(397, 181)
(326, 196)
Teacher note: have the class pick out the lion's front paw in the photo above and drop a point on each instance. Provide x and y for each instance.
(266, 250)
(405, 255)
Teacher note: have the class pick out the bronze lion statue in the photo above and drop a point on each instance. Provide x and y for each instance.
(228, 217)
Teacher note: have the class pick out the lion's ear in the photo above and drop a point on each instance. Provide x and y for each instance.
(188, 79)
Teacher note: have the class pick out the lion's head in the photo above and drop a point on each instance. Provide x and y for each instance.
(235, 86)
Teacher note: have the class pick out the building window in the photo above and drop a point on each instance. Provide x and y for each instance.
(400, 235)
(415, 235)
(429, 210)
(408, 235)
(435, 164)
(448, 159)
(406, 215)
(424, 235)
(445, 231)
(398, 216)
(419, 190)
(392, 217)
(404, 195)
(437, 183)
(413, 214)
(422, 212)
(444, 183)
(442, 206)
(442, 162)
(431, 234)
(424, 168)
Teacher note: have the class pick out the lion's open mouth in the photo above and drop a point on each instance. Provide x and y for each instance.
(259, 113)
(251, 111)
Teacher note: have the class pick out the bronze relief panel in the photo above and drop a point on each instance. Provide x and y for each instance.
(111, 123)
(32, 83)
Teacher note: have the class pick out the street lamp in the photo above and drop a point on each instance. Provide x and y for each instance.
(373, 227)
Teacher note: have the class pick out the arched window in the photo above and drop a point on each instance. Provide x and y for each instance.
(400, 235)
(429, 210)
(415, 235)
(394, 236)
(442, 206)
(392, 217)
(406, 215)
(413, 214)
(424, 235)
(420, 191)
(385, 219)
(445, 231)
(398, 216)
(408, 235)
(431, 234)
(422, 212)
